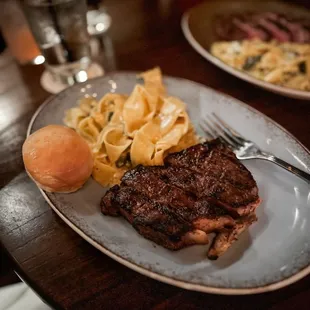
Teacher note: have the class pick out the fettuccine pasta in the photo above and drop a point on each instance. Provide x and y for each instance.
(285, 64)
(124, 131)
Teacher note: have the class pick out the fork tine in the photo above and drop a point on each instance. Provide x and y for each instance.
(206, 131)
(226, 132)
(220, 132)
(231, 130)
(210, 134)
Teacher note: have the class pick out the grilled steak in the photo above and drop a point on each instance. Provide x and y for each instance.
(200, 190)
(250, 30)
(216, 173)
(226, 238)
(265, 26)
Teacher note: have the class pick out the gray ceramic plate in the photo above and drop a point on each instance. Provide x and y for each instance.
(198, 28)
(273, 253)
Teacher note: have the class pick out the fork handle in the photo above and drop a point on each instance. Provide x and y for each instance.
(303, 175)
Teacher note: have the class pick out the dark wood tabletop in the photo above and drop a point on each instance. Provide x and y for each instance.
(66, 271)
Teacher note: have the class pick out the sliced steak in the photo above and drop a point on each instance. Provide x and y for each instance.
(276, 32)
(262, 25)
(298, 33)
(225, 31)
(250, 30)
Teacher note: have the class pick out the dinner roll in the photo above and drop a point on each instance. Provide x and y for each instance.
(57, 159)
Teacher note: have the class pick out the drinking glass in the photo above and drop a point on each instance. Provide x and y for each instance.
(60, 29)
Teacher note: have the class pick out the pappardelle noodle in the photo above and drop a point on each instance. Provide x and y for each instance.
(126, 130)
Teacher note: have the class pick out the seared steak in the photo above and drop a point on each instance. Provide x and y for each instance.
(223, 240)
(265, 26)
(215, 172)
(200, 190)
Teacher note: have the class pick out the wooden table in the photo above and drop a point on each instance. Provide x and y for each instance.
(65, 270)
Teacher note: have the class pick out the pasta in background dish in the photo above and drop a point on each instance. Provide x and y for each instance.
(124, 131)
(285, 64)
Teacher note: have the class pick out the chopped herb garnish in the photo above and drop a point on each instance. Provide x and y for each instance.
(110, 116)
(251, 62)
(120, 162)
(302, 66)
(124, 160)
(140, 80)
(128, 160)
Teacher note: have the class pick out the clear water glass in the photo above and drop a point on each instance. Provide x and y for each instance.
(60, 29)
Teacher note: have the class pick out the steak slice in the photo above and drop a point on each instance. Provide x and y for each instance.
(265, 26)
(251, 31)
(298, 32)
(200, 190)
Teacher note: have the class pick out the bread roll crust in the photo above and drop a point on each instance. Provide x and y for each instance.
(57, 159)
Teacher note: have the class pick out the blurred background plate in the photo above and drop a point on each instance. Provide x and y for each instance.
(198, 25)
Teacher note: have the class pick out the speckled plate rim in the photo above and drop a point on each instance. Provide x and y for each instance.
(151, 274)
(289, 92)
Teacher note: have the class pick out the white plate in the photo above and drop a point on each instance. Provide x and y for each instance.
(273, 253)
(197, 25)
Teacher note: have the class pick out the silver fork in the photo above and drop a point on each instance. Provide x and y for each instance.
(215, 127)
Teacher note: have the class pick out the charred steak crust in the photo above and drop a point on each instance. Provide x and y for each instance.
(108, 205)
(199, 190)
(216, 172)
